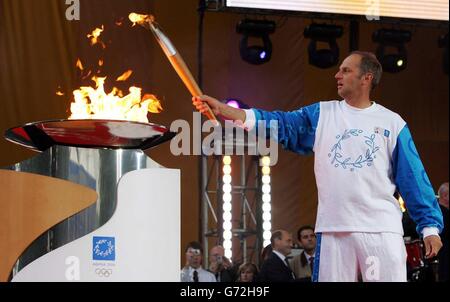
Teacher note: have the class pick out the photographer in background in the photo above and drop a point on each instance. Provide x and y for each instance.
(220, 265)
(193, 271)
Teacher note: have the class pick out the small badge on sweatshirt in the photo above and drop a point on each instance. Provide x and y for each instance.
(381, 131)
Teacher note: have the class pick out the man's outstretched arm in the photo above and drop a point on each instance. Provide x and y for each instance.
(218, 108)
(294, 130)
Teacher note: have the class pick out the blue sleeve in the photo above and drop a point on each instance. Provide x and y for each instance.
(296, 130)
(413, 184)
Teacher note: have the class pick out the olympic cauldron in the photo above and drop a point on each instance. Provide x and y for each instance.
(115, 238)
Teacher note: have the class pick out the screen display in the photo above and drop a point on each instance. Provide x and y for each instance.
(372, 9)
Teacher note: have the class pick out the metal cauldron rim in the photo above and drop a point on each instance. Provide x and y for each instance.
(89, 133)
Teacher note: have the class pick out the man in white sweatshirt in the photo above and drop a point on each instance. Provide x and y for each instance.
(364, 153)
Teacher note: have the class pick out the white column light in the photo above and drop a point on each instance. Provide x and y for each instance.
(226, 203)
(266, 198)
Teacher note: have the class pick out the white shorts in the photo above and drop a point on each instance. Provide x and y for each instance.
(370, 257)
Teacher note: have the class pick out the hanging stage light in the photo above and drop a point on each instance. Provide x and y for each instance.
(323, 58)
(235, 103)
(392, 62)
(260, 29)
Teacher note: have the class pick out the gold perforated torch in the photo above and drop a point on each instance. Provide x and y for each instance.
(148, 21)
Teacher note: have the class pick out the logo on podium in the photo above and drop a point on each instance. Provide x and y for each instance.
(104, 248)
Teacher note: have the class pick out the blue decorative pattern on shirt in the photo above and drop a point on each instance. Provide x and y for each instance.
(414, 185)
(296, 129)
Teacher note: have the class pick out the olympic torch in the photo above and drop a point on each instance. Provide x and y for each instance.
(148, 22)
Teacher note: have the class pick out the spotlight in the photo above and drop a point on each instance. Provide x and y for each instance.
(396, 61)
(443, 43)
(260, 29)
(235, 103)
(323, 58)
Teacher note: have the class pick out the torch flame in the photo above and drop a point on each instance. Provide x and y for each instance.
(95, 103)
(140, 19)
(124, 76)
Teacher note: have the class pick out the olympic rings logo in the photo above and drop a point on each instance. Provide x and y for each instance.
(103, 272)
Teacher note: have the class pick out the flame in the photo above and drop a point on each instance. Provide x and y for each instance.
(94, 36)
(95, 103)
(140, 19)
(124, 76)
(59, 93)
(154, 106)
(79, 65)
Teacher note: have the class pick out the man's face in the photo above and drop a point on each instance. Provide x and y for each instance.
(216, 254)
(284, 245)
(193, 257)
(349, 78)
(308, 240)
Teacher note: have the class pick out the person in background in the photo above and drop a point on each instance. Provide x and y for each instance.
(276, 267)
(247, 272)
(303, 264)
(265, 253)
(220, 265)
(193, 271)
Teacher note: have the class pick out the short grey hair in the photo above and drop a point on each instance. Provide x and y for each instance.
(370, 64)
(278, 234)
